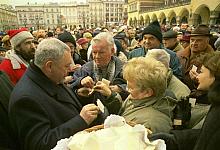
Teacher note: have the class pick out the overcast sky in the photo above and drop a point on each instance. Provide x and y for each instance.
(23, 2)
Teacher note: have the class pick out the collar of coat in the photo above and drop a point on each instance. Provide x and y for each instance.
(88, 67)
(39, 78)
(186, 53)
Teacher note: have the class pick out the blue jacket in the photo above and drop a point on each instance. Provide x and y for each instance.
(174, 60)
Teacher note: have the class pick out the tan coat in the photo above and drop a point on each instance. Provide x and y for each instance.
(187, 62)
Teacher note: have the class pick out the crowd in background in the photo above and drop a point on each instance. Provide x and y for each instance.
(148, 70)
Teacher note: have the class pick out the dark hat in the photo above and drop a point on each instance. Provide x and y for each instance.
(67, 37)
(153, 29)
(169, 34)
(120, 35)
(201, 30)
(50, 34)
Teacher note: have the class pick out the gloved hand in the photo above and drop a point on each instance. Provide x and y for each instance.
(171, 143)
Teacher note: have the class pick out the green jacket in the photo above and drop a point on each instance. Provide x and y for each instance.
(155, 114)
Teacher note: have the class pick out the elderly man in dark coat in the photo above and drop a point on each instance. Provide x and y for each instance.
(42, 109)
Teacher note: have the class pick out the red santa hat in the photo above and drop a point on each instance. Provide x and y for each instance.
(19, 35)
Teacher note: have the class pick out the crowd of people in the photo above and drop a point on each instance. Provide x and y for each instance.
(50, 82)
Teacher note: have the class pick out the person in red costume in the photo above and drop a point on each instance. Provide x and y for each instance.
(18, 58)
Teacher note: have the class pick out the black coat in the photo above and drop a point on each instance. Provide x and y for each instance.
(6, 135)
(42, 112)
(208, 137)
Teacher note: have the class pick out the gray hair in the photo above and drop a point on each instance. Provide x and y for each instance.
(49, 49)
(160, 55)
(103, 35)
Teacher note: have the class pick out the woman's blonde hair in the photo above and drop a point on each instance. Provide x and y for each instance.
(147, 73)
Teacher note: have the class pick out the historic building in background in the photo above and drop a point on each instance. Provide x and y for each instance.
(173, 12)
(93, 13)
(8, 18)
(38, 16)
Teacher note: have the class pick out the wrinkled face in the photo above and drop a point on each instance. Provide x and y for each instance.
(61, 68)
(102, 53)
(169, 42)
(150, 41)
(198, 43)
(205, 79)
(135, 92)
(26, 49)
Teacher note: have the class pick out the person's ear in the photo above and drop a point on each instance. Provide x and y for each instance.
(48, 66)
(113, 50)
(148, 92)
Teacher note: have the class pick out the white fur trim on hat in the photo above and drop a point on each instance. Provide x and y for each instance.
(20, 37)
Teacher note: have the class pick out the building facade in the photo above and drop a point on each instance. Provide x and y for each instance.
(174, 12)
(37, 16)
(93, 13)
(8, 18)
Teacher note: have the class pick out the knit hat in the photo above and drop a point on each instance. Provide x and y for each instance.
(18, 36)
(153, 29)
(82, 41)
(67, 37)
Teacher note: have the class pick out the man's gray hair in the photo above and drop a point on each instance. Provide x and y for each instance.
(49, 49)
(104, 35)
(160, 55)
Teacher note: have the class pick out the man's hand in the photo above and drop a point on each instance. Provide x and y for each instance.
(87, 82)
(103, 88)
(89, 113)
(115, 88)
(75, 67)
(193, 74)
(169, 139)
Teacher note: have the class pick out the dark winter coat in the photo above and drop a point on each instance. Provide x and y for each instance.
(42, 113)
(208, 137)
(6, 135)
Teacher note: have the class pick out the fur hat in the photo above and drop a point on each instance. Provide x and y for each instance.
(18, 36)
(67, 37)
(201, 30)
(153, 29)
